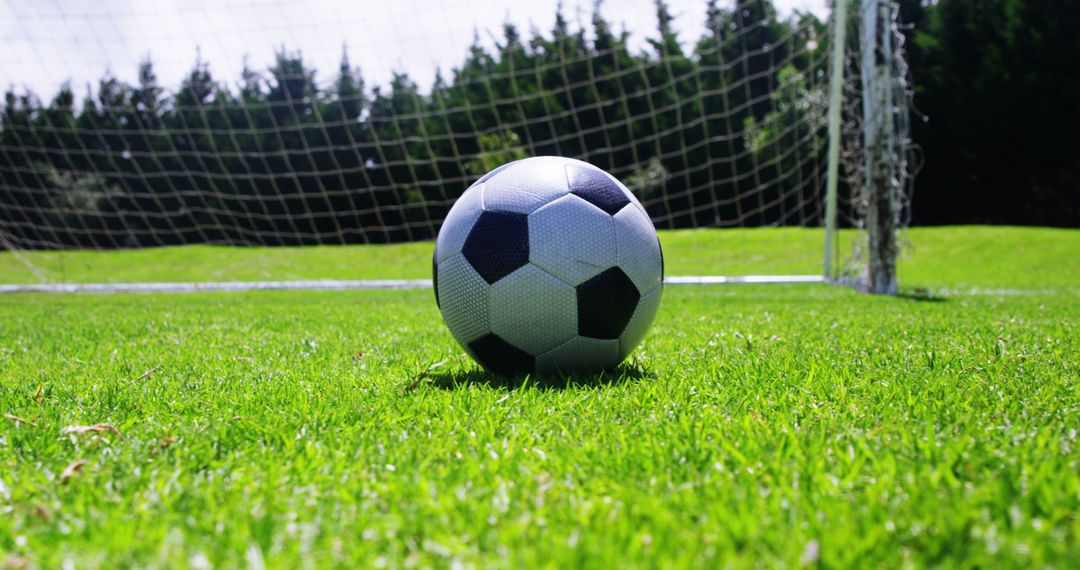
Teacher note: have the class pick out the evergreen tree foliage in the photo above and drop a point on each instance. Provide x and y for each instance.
(997, 83)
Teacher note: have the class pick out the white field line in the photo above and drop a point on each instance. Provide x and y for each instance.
(344, 285)
(1001, 292)
(741, 279)
(382, 284)
(319, 285)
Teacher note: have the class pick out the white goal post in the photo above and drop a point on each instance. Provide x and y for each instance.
(721, 114)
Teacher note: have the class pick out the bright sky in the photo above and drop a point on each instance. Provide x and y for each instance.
(46, 42)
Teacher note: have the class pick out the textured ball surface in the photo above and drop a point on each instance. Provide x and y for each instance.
(548, 265)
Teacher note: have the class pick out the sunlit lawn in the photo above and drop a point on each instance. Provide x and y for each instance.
(756, 425)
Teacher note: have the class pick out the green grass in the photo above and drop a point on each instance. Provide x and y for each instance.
(966, 256)
(755, 426)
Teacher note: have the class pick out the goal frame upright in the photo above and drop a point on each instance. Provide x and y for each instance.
(882, 146)
(836, 101)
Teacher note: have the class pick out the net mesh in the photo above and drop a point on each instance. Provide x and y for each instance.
(726, 129)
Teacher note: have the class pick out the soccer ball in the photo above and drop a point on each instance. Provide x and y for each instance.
(549, 265)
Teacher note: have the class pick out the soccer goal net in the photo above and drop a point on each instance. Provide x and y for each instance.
(293, 123)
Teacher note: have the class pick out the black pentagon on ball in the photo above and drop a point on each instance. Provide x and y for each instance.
(605, 304)
(596, 188)
(497, 244)
(501, 357)
(435, 279)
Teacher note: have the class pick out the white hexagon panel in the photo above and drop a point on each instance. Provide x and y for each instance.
(533, 310)
(575, 251)
(638, 249)
(459, 220)
(640, 321)
(523, 186)
(579, 354)
(464, 298)
(548, 264)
